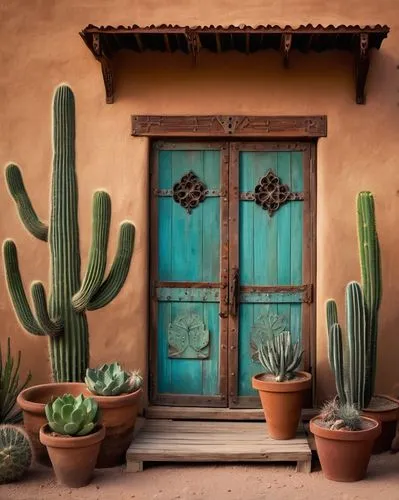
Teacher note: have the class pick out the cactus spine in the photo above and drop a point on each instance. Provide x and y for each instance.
(15, 453)
(355, 378)
(63, 317)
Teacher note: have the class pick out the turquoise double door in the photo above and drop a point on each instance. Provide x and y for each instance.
(231, 264)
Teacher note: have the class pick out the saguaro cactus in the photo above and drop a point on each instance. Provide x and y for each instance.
(355, 370)
(63, 318)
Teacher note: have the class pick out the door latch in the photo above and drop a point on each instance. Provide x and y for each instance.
(235, 292)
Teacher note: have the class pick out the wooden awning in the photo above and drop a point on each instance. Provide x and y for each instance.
(105, 41)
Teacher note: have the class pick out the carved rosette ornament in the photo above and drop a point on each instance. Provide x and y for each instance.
(188, 338)
(270, 194)
(189, 192)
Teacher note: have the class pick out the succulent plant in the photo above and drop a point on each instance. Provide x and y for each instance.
(280, 356)
(112, 380)
(10, 387)
(62, 318)
(341, 416)
(15, 453)
(72, 416)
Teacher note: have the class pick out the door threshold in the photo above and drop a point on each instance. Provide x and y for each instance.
(193, 413)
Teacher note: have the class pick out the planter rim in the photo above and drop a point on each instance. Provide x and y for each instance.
(72, 441)
(341, 435)
(304, 382)
(383, 415)
(116, 401)
(34, 407)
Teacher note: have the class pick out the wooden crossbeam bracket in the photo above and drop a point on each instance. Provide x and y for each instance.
(194, 44)
(106, 68)
(362, 63)
(285, 47)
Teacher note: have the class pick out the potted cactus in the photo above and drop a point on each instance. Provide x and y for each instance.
(117, 393)
(344, 441)
(73, 436)
(62, 318)
(15, 453)
(282, 387)
(355, 379)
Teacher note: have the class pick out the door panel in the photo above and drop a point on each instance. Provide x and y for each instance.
(270, 255)
(187, 351)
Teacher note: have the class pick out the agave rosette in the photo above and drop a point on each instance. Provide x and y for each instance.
(112, 380)
(72, 416)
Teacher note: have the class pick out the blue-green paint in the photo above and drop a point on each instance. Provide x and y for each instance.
(270, 253)
(188, 250)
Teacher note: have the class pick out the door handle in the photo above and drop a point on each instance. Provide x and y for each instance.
(235, 292)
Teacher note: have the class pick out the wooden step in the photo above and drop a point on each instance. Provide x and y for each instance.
(205, 441)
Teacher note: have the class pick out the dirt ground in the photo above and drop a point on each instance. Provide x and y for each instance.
(213, 482)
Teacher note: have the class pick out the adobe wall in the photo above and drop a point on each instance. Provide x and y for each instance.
(40, 47)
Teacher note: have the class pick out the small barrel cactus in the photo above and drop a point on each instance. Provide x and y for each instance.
(341, 416)
(15, 453)
(72, 416)
(112, 380)
(280, 356)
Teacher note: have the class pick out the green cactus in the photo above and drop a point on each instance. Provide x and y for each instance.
(15, 453)
(355, 384)
(337, 415)
(72, 416)
(350, 367)
(112, 380)
(10, 386)
(280, 356)
(63, 318)
(370, 266)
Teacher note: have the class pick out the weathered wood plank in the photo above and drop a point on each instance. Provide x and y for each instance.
(188, 441)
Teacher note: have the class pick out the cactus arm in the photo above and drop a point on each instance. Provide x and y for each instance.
(49, 327)
(98, 251)
(26, 212)
(119, 269)
(16, 289)
(332, 318)
(337, 361)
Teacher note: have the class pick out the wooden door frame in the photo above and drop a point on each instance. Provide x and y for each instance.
(307, 129)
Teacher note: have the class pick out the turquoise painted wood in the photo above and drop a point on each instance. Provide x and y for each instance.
(270, 250)
(188, 251)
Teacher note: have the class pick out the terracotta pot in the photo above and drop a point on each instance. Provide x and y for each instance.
(73, 458)
(282, 402)
(32, 402)
(118, 414)
(388, 419)
(345, 455)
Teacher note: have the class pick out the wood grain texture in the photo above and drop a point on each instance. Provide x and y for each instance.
(184, 441)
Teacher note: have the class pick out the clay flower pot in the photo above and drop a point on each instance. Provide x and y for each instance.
(282, 402)
(345, 455)
(73, 457)
(33, 400)
(118, 414)
(385, 409)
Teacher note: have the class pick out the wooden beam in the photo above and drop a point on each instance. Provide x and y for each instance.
(285, 47)
(139, 42)
(362, 63)
(167, 42)
(218, 43)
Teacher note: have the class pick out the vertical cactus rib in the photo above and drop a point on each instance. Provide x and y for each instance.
(371, 281)
(119, 269)
(16, 289)
(49, 327)
(98, 251)
(337, 361)
(332, 318)
(25, 209)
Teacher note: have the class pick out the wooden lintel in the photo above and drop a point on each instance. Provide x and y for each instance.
(362, 63)
(285, 47)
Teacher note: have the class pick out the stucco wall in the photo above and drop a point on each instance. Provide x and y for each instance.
(40, 47)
